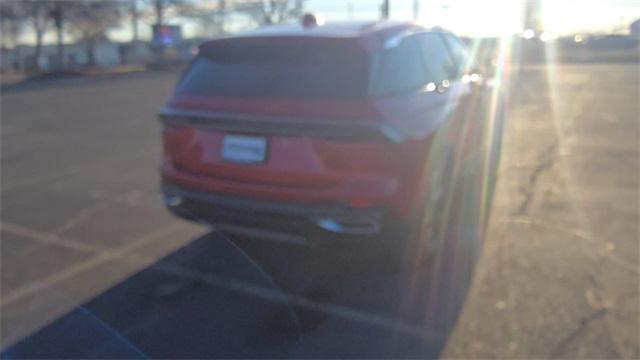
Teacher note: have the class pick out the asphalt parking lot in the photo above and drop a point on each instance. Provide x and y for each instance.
(559, 272)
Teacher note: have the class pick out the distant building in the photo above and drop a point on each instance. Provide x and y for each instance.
(8, 59)
(612, 42)
(135, 52)
(23, 57)
(634, 29)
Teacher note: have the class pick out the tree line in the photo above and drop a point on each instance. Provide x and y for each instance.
(88, 21)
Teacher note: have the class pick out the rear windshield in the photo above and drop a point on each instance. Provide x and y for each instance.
(318, 69)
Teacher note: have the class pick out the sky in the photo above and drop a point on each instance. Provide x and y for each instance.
(474, 18)
(493, 17)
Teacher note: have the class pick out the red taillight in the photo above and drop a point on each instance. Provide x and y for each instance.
(169, 141)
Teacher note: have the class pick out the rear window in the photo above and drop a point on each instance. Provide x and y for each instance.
(318, 69)
(408, 66)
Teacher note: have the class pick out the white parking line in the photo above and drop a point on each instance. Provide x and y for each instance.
(71, 170)
(102, 256)
(51, 239)
(34, 180)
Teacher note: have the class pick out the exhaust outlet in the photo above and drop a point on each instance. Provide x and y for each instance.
(366, 227)
(172, 200)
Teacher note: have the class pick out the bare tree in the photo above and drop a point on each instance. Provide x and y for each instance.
(57, 14)
(38, 15)
(135, 14)
(267, 12)
(210, 15)
(30, 13)
(12, 23)
(89, 21)
(161, 10)
(221, 15)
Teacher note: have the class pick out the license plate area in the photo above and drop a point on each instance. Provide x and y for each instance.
(244, 149)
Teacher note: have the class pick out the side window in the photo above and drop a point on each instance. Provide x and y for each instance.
(459, 53)
(399, 69)
(437, 61)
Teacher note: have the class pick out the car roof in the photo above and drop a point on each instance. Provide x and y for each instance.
(371, 32)
(334, 29)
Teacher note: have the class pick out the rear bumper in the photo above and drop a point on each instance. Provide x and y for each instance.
(302, 219)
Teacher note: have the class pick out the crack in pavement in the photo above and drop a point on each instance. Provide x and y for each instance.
(596, 300)
(575, 333)
(547, 159)
(600, 302)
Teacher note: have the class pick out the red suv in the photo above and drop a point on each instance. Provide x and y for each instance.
(350, 129)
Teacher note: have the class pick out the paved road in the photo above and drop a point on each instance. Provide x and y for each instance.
(79, 190)
(558, 275)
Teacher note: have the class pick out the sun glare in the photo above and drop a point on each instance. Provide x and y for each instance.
(491, 18)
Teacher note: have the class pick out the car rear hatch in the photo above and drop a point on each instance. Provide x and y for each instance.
(284, 112)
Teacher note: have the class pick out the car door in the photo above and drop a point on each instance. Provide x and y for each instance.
(443, 76)
(471, 97)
